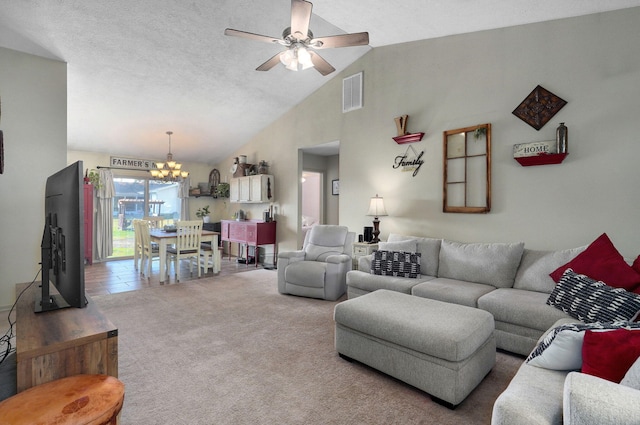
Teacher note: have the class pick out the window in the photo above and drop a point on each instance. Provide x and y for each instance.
(138, 198)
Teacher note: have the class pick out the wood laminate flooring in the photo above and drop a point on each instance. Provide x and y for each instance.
(114, 276)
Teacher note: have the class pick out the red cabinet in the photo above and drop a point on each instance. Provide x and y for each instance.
(250, 233)
(88, 223)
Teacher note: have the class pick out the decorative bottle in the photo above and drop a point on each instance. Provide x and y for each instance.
(562, 136)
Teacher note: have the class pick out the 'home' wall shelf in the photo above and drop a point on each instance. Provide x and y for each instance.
(542, 159)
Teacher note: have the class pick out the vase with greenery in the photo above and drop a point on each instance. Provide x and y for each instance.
(93, 178)
(223, 190)
(203, 213)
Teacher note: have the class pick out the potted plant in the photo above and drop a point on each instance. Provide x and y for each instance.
(203, 213)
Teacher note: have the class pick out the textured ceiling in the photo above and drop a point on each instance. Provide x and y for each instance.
(139, 68)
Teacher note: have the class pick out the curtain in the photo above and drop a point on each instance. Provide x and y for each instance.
(104, 219)
(184, 198)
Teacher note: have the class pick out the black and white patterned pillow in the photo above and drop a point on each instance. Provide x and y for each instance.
(593, 301)
(561, 348)
(396, 263)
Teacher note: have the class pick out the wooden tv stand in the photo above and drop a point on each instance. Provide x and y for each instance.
(61, 343)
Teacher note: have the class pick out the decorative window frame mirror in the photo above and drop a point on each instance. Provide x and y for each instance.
(467, 169)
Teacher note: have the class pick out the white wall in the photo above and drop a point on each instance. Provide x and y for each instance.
(34, 123)
(476, 78)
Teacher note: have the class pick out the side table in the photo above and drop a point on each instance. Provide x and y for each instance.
(360, 249)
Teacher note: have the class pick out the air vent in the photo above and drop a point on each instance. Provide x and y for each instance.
(352, 92)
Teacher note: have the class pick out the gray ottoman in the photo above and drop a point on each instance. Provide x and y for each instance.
(443, 349)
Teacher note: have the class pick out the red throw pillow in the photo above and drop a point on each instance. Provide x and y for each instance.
(636, 266)
(610, 354)
(602, 261)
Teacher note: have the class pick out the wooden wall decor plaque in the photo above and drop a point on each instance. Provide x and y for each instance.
(539, 107)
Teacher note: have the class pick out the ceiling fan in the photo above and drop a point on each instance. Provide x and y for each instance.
(299, 40)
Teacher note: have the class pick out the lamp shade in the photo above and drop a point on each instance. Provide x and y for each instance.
(376, 207)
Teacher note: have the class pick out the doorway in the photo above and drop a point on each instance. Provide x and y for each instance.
(138, 198)
(324, 161)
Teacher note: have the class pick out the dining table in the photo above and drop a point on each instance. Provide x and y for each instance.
(165, 238)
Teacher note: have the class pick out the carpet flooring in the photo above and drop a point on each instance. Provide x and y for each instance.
(231, 350)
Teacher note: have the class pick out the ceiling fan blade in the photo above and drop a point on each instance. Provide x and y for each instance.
(300, 17)
(343, 40)
(251, 36)
(321, 65)
(275, 59)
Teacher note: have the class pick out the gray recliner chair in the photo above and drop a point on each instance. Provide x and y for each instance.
(319, 270)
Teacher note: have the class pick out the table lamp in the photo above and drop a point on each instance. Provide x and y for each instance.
(376, 209)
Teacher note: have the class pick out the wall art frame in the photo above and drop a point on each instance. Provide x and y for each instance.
(467, 170)
(539, 107)
(335, 187)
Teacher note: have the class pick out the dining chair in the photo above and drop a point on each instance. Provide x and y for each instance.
(155, 221)
(150, 250)
(137, 247)
(188, 239)
(210, 257)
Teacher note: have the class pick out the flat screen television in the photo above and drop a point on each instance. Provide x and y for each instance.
(63, 242)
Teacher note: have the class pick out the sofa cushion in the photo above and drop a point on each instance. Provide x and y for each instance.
(602, 261)
(609, 355)
(452, 291)
(405, 246)
(632, 377)
(489, 263)
(324, 241)
(593, 301)
(561, 348)
(535, 266)
(428, 247)
(534, 396)
(523, 308)
(396, 263)
(370, 282)
(306, 273)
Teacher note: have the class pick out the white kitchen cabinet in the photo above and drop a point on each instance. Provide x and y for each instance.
(258, 188)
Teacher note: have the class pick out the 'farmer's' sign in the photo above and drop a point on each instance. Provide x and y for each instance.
(132, 163)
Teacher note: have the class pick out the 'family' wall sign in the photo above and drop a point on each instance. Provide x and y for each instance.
(411, 160)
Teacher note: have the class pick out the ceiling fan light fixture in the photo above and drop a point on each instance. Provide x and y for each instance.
(289, 60)
(296, 58)
(304, 58)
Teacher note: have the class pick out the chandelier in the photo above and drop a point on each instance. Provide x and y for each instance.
(170, 170)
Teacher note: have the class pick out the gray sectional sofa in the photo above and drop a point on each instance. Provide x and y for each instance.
(505, 279)
(512, 283)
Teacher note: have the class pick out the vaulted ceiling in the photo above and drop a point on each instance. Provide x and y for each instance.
(139, 68)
